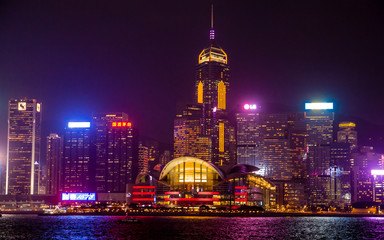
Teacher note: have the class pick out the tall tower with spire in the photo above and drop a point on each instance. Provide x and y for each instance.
(211, 88)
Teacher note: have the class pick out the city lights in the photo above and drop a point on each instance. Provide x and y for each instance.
(79, 124)
(319, 106)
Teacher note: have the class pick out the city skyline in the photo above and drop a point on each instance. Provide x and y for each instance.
(61, 68)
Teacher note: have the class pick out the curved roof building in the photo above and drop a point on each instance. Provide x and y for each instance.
(189, 181)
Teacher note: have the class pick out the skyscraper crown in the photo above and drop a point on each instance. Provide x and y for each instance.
(213, 52)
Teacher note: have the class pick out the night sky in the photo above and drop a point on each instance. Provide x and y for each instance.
(139, 57)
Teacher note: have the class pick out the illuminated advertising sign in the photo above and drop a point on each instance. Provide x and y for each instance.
(121, 124)
(319, 106)
(250, 106)
(79, 124)
(377, 172)
(78, 196)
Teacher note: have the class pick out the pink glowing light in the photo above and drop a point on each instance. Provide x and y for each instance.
(192, 199)
(143, 199)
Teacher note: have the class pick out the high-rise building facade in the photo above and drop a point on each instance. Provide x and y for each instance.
(54, 163)
(143, 157)
(148, 154)
(23, 146)
(363, 182)
(249, 138)
(319, 121)
(275, 146)
(78, 161)
(347, 134)
(211, 89)
(115, 161)
(188, 137)
(340, 175)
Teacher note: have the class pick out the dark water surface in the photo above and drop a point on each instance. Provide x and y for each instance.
(108, 227)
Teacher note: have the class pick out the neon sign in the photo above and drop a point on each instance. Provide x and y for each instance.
(319, 106)
(377, 172)
(250, 106)
(78, 196)
(79, 124)
(121, 124)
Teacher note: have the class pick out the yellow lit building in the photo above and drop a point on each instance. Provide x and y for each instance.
(189, 181)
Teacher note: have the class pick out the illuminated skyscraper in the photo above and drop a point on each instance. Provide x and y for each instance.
(212, 85)
(143, 157)
(340, 174)
(54, 163)
(275, 146)
(347, 134)
(115, 160)
(363, 182)
(249, 138)
(78, 166)
(275, 143)
(23, 152)
(148, 154)
(188, 140)
(319, 119)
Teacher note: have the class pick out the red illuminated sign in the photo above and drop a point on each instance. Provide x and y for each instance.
(240, 193)
(121, 124)
(143, 193)
(143, 199)
(140, 187)
(240, 200)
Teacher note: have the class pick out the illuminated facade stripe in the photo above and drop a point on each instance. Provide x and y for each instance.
(172, 193)
(143, 199)
(221, 137)
(143, 193)
(208, 193)
(200, 93)
(221, 92)
(143, 187)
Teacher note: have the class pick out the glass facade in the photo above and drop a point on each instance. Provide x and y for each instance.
(191, 175)
(54, 159)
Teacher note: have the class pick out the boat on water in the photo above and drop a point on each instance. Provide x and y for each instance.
(130, 220)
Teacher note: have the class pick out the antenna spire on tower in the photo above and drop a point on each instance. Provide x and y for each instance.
(212, 32)
(211, 16)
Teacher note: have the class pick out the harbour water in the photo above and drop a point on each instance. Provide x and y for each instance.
(109, 227)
